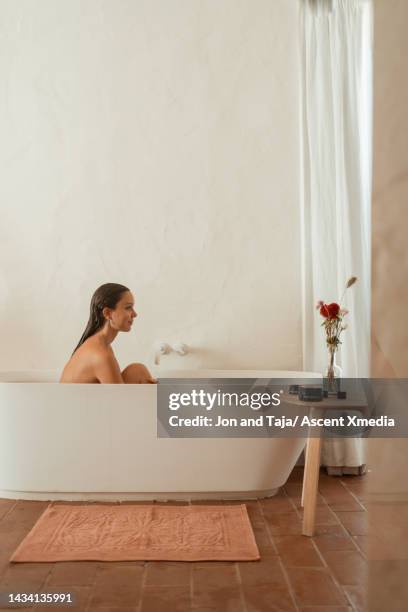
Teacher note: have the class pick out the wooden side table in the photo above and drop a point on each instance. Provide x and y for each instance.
(313, 452)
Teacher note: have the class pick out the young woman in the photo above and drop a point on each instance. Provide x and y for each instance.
(93, 360)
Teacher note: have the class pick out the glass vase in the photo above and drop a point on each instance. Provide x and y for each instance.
(332, 375)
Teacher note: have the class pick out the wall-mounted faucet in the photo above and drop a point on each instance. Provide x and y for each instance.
(162, 348)
(180, 348)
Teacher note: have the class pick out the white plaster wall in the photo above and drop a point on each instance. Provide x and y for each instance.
(153, 143)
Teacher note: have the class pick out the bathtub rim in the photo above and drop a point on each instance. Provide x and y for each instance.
(50, 377)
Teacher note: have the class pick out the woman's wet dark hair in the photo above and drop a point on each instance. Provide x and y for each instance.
(107, 295)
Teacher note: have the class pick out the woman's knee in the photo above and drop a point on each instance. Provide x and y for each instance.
(137, 373)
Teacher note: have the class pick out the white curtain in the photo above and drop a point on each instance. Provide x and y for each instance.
(336, 47)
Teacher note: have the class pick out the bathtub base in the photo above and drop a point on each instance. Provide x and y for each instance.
(119, 497)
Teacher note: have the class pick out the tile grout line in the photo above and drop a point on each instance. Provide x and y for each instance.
(357, 548)
(354, 536)
(138, 608)
(241, 588)
(351, 492)
(91, 590)
(9, 510)
(333, 512)
(315, 545)
(1, 519)
(350, 603)
(340, 586)
(360, 550)
(43, 584)
(350, 535)
(326, 505)
(325, 565)
(191, 586)
(286, 576)
(44, 581)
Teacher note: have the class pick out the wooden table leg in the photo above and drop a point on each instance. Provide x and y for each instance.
(302, 501)
(310, 484)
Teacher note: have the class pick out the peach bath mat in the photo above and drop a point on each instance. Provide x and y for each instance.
(100, 532)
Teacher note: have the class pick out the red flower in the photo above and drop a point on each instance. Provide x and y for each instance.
(330, 311)
(324, 311)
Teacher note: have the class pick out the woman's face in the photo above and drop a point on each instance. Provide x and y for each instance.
(121, 317)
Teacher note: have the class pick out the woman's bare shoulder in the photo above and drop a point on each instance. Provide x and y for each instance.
(95, 350)
(101, 362)
(87, 360)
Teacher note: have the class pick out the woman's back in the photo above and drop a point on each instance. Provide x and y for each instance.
(86, 362)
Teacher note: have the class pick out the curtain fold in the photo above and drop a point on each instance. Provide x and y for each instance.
(336, 46)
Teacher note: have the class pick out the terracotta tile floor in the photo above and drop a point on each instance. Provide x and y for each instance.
(325, 573)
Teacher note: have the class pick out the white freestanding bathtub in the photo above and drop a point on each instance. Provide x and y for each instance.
(99, 442)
